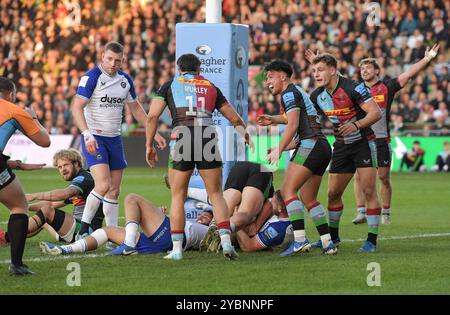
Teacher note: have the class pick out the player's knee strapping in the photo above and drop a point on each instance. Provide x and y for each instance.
(39, 219)
(58, 220)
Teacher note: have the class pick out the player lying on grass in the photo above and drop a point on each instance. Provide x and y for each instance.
(60, 224)
(247, 189)
(154, 238)
(271, 229)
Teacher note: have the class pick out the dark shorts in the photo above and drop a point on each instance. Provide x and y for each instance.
(110, 151)
(245, 174)
(347, 158)
(313, 154)
(6, 174)
(159, 242)
(195, 147)
(384, 152)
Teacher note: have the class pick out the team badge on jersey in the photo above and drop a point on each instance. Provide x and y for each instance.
(123, 84)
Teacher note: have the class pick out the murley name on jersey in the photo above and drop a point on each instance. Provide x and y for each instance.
(196, 89)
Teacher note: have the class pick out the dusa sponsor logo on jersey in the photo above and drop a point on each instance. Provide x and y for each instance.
(109, 101)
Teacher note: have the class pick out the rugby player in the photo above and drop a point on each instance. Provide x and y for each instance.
(246, 190)
(154, 238)
(274, 229)
(351, 109)
(383, 92)
(192, 99)
(63, 226)
(97, 109)
(13, 118)
(308, 162)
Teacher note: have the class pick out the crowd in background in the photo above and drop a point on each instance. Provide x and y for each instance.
(46, 46)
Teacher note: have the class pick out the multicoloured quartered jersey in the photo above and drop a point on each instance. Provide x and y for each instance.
(84, 182)
(294, 98)
(383, 93)
(342, 106)
(192, 100)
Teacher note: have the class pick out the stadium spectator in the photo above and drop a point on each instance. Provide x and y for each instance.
(443, 159)
(413, 159)
(410, 113)
(56, 53)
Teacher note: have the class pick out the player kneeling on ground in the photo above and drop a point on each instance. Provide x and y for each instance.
(154, 238)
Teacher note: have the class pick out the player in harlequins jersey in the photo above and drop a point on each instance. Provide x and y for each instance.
(351, 109)
(308, 163)
(192, 99)
(383, 92)
(60, 224)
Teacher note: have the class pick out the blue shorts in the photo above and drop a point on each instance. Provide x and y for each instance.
(110, 151)
(159, 242)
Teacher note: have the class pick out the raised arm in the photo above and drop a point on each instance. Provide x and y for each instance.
(420, 65)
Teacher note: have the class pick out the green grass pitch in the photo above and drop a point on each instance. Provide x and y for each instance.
(413, 253)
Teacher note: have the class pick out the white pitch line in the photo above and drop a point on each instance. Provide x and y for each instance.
(68, 257)
(6, 222)
(388, 238)
(53, 258)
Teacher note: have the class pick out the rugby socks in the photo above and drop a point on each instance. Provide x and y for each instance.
(224, 229)
(177, 240)
(296, 214)
(131, 229)
(79, 246)
(334, 215)
(111, 211)
(319, 217)
(92, 203)
(373, 221)
(361, 209)
(386, 210)
(17, 234)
